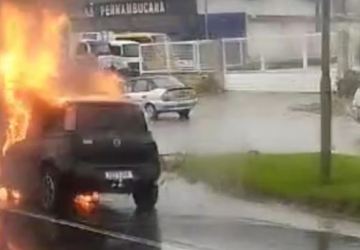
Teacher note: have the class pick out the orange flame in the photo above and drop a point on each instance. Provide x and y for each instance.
(30, 64)
(85, 204)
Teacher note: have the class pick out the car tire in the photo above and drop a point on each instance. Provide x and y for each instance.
(50, 192)
(146, 196)
(151, 111)
(184, 114)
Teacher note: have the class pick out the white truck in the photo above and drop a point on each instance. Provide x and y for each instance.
(100, 51)
(128, 52)
(115, 50)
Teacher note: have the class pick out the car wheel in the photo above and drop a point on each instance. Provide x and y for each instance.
(146, 196)
(184, 114)
(49, 190)
(151, 111)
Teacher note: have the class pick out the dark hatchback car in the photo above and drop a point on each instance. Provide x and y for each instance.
(85, 146)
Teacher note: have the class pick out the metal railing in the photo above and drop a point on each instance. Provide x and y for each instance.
(173, 57)
(235, 54)
(274, 52)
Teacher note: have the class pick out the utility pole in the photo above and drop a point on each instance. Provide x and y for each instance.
(343, 40)
(325, 86)
(343, 7)
(318, 15)
(206, 7)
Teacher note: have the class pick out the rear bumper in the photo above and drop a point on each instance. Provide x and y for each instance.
(173, 106)
(91, 177)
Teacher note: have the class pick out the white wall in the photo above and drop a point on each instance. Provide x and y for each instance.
(257, 28)
(260, 7)
(303, 81)
(353, 6)
(267, 39)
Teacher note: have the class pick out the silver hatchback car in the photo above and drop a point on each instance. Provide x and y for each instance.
(161, 94)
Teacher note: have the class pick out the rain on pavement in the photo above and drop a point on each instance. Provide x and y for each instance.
(180, 222)
(191, 216)
(267, 122)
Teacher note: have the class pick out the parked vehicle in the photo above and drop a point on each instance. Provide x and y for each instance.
(100, 51)
(128, 52)
(161, 94)
(84, 147)
(356, 105)
(141, 37)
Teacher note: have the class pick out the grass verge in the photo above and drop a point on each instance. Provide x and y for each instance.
(290, 177)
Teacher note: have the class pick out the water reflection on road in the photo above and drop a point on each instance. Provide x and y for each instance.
(24, 233)
(188, 216)
(323, 241)
(141, 231)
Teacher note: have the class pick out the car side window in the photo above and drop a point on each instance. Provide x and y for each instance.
(141, 86)
(152, 85)
(116, 50)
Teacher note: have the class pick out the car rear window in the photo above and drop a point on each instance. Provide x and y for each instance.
(115, 117)
(168, 82)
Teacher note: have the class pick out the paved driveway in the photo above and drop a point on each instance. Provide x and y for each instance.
(234, 122)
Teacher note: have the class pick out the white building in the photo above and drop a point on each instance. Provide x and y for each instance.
(278, 16)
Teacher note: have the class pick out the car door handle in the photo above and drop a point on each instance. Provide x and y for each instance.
(143, 96)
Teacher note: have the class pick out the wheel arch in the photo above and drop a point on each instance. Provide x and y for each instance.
(147, 103)
(47, 163)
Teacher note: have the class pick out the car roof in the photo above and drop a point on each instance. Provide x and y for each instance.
(97, 100)
(137, 34)
(122, 42)
(149, 77)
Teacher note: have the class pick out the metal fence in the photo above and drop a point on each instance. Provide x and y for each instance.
(274, 52)
(172, 57)
(235, 54)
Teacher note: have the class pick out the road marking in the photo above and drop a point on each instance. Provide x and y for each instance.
(114, 235)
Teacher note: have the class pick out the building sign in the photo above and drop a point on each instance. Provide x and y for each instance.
(110, 9)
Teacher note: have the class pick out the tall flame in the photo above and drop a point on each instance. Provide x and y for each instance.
(28, 62)
(30, 58)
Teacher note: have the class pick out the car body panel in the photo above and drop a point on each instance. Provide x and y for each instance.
(155, 95)
(120, 45)
(81, 158)
(355, 107)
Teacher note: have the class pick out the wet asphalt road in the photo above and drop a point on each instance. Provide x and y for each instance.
(190, 216)
(19, 232)
(202, 220)
(268, 122)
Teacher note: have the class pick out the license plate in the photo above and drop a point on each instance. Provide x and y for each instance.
(118, 175)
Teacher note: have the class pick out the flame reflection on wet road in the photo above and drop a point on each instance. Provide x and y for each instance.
(109, 229)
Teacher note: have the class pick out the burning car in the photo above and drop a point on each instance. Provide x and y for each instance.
(84, 146)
